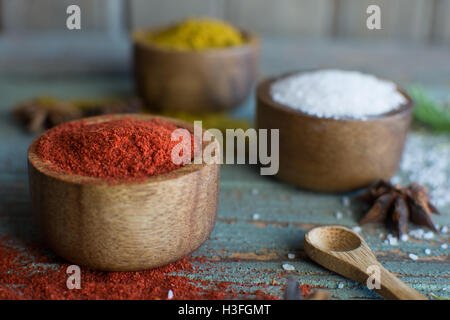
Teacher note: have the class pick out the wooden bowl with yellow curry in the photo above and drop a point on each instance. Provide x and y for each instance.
(197, 65)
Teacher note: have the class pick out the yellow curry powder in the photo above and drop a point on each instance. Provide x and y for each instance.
(198, 34)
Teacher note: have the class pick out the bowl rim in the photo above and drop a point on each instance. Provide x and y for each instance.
(41, 166)
(263, 95)
(252, 42)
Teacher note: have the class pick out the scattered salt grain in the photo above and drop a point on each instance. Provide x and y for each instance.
(337, 94)
(339, 215)
(444, 229)
(425, 161)
(428, 235)
(341, 285)
(444, 246)
(380, 235)
(357, 229)
(291, 255)
(412, 256)
(427, 251)
(393, 241)
(416, 233)
(255, 192)
(288, 267)
(170, 294)
(346, 201)
(256, 216)
(404, 237)
(395, 180)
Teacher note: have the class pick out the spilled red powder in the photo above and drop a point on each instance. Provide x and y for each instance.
(28, 272)
(117, 149)
(306, 290)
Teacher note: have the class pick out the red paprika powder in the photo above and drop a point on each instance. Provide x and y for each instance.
(29, 271)
(116, 149)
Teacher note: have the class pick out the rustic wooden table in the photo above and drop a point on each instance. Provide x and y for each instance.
(262, 220)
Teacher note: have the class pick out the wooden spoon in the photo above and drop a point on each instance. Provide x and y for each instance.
(343, 251)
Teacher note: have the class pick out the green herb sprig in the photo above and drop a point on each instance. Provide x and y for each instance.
(429, 112)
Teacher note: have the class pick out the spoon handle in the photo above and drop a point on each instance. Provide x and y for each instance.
(393, 288)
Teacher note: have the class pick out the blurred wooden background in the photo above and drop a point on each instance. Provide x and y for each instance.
(417, 20)
(37, 28)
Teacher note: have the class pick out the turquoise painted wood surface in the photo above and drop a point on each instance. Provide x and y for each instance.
(245, 248)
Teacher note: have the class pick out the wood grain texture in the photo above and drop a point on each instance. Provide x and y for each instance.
(208, 80)
(285, 212)
(127, 226)
(288, 17)
(441, 22)
(346, 253)
(50, 15)
(153, 13)
(400, 19)
(1, 16)
(333, 155)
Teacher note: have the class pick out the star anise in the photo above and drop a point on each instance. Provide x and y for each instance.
(399, 205)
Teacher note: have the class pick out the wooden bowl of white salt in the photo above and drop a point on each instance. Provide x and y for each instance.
(338, 130)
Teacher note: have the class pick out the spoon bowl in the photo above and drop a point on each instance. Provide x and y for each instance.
(334, 239)
(343, 251)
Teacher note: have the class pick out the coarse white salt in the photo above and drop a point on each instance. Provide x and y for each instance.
(412, 256)
(256, 216)
(338, 215)
(291, 256)
(444, 229)
(170, 294)
(341, 285)
(428, 235)
(346, 201)
(427, 251)
(357, 229)
(288, 267)
(393, 241)
(416, 233)
(337, 94)
(444, 246)
(404, 237)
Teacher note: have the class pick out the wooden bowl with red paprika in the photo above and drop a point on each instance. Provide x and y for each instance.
(124, 224)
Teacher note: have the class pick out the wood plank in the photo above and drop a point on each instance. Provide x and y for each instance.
(50, 15)
(291, 17)
(246, 251)
(151, 13)
(1, 15)
(400, 19)
(441, 25)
